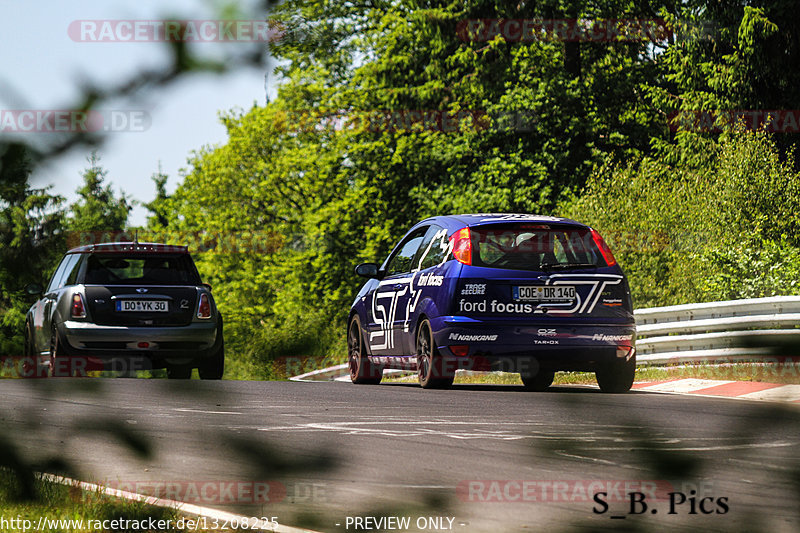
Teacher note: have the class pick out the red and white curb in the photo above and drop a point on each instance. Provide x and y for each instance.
(746, 390)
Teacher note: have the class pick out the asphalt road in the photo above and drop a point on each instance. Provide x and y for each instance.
(478, 458)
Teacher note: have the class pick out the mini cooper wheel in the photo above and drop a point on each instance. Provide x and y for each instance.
(362, 370)
(214, 366)
(617, 377)
(537, 382)
(60, 365)
(31, 365)
(431, 367)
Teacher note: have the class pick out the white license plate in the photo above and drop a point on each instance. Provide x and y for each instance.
(544, 293)
(143, 306)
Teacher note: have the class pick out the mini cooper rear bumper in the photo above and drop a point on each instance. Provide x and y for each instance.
(158, 345)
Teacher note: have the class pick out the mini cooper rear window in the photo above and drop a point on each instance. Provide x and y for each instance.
(534, 247)
(138, 269)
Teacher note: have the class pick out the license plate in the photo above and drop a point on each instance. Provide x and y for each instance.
(143, 306)
(544, 293)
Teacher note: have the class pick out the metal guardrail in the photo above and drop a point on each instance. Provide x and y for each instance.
(731, 330)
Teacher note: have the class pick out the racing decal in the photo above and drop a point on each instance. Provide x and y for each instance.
(472, 307)
(596, 282)
(385, 311)
(478, 289)
(427, 279)
(385, 317)
(516, 308)
(594, 286)
(444, 244)
(518, 217)
(472, 338)
(611, 338)
(430, 280)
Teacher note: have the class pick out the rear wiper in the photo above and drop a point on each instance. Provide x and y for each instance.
(561, 266)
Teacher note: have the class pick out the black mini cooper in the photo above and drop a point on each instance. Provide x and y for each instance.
(128, 306)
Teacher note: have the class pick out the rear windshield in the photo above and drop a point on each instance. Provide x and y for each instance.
(140, 269)
(533, 247)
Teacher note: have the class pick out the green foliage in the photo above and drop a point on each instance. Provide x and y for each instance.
(159, 206)
(336, 168)
(332, 172)
(752, 272)
(98, 209)
(686, 236)
(30, 243)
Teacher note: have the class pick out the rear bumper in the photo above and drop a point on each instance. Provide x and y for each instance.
(549, 344)
(176, 344)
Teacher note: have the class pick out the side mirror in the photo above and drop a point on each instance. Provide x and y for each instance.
(367, 270)
(207, 286)
(34, 289)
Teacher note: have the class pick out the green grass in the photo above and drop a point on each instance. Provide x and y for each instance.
(60, 502)
(769, 373)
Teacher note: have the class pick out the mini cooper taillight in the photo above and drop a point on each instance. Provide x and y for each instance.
(604, 249)
(204, 306)
(462, 246)
(77, 309)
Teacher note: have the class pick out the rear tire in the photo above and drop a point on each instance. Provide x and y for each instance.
(32, 366)
(214, 366)
(60, 365)
(431, 369)
(362, 370)
(617, 377)
(537, 382)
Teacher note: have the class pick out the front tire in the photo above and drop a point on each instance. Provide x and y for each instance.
(431, 367)
(362, 370)
(617, 377)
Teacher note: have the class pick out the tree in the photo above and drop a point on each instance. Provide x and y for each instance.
(159, 206)
(31, 242)
(98, 209)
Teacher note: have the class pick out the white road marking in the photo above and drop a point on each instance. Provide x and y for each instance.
(472, 430)
(186, 410)
(784, 393)
(684, 385)
(188, 508)
(702, 448)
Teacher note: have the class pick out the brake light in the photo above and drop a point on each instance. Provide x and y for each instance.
(604, 249)
(78, 310)
(204, 307)
(462, 246)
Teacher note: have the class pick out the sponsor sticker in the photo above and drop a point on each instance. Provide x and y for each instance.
(430, 280)
(611, 338)
(474, 289)
(472, 338)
